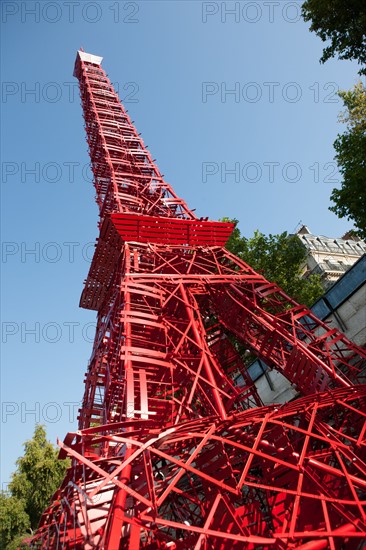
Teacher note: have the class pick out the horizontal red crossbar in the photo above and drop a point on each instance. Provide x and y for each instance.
(174, 231)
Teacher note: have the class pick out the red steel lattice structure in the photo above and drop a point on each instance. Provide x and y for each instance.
(172, 452)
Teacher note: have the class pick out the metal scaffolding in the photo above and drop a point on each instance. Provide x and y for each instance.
(171, 452)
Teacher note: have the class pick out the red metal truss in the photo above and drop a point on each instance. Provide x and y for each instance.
(269, 477)
(175, 448)
(173, 231)
(125, 176)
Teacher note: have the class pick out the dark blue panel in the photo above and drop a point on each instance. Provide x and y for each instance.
(320, 309)
(257, 369)
(346, 285)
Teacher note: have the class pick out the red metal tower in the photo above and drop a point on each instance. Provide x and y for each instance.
(171, 452)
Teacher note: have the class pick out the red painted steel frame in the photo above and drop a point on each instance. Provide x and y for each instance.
(172, 452)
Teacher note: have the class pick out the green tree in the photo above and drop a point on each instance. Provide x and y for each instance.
(38, 475)
(350, 199)
(280, 258)
(14, 520)
(343, 23)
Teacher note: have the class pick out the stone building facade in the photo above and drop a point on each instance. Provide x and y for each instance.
(329, 257)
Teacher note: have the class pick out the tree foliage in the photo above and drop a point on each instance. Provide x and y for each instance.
(350, 199)
(39, 473)
(280, 258)
(343, 23)
(13, 519)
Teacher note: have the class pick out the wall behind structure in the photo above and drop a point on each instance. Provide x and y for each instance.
(344, 307)
(344, 304)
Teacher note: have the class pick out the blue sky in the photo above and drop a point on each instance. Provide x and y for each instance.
(262, 154)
